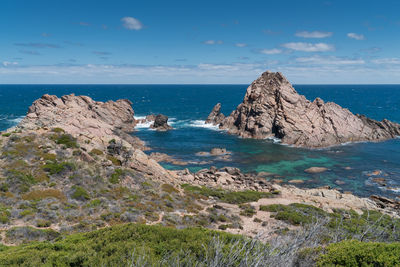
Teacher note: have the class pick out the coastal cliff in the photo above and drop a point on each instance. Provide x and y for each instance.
(272, 108)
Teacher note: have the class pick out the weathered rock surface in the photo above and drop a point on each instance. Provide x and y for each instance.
(273, 108)
(95, 124)
(80, 115)
(161, 123)
(215, 117)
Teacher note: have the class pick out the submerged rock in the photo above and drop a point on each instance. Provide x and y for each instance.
(273, 108)
(316, 169)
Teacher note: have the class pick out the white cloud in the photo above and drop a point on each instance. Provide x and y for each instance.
(392, 60)
(314, 34)
(131, 23)
(241, 44)
(273, 51)
(318, 60)
(8, 63)
(213, 42)
(309, 47)
(356, 36)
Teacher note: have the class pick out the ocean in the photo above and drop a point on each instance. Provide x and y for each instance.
(352, 167)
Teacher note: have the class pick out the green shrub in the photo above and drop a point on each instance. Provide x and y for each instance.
(80, 193)
(4, 214)
(232, 197)
(6, 134)
(56, 168)
(66, 139)
(4, 187)
(96, 151)
(356, 253)
(113, 246)
(115, 177)
(295, 213)
(58, 130)
(114, 160)
(43, 223)
(94, 203)
(247, 210)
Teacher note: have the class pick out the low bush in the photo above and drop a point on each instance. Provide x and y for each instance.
(42, 194)
(295, 213)
(115, 246)
(356, 253)
(115, 177)
(66, 139)
(80, 193)
(232, 197)
(56, 168)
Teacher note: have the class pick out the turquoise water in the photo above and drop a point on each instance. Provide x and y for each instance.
(188, 106)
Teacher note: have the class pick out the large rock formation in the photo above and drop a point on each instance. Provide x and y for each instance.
(95, 125)
(80, 115)
(273, 108)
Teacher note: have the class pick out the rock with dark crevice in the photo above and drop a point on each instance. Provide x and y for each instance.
(272, 108)
(161, 123)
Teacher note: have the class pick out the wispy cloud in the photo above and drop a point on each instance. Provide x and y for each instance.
(330, 60)
(38, 45)
(131, 23)
(8, 63)
(313, 34)
(213, 42)
(356, 36)
(309, 47)
(29, 52)
(101, 53)
(390, 61)
(240, 44)
(273, 51)
(82, 23)
(45, 34)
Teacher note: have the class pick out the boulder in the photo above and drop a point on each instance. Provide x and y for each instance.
(272, 108)
(161, 123)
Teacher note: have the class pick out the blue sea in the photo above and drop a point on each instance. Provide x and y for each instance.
(350, 165)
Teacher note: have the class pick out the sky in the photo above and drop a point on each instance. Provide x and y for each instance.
(199, 42)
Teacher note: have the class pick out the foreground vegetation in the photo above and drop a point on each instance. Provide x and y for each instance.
(141, 245)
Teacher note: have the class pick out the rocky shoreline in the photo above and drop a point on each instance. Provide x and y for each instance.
(72, 165)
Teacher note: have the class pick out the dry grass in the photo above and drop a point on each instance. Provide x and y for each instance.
(42, 194)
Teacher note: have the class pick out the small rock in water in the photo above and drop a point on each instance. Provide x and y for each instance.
(379, 180)
(316, 169)
(339, 182)
(296, 181)
(161, 123)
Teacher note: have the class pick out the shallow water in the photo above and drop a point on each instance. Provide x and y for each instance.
(188, 106)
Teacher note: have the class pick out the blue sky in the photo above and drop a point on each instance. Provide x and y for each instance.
(199, 41)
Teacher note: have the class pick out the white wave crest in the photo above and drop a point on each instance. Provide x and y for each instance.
(203, 124)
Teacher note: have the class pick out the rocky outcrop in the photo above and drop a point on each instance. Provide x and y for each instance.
(161, 123)
(273, 108)
(80, 115)
(215, 117)
(96, 125)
